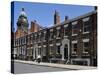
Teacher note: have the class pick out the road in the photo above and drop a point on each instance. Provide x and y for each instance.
(20, 68)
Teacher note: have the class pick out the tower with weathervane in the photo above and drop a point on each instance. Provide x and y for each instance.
(22, 24)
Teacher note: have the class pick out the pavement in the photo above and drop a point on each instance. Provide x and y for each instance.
(64, 66)
(21, 68)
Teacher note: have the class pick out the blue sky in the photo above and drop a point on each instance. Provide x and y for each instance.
(43, 13)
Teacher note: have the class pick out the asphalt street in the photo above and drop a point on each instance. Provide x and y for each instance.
(20, 68)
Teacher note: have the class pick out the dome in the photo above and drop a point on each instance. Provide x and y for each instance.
(23, 13)
(22, 20)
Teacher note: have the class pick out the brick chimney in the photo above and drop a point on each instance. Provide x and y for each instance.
(34, 26)
(56, 18)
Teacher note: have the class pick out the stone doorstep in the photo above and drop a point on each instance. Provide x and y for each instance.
(73, 67)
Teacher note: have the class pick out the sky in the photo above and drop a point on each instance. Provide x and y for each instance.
(43, 13)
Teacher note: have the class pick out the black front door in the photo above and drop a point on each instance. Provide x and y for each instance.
(66, 52)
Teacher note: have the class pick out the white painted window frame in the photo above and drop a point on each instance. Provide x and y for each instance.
(74, 42)
(85, 20)
(74, 23)
(85, 40)
(65, 26)
(58, 32)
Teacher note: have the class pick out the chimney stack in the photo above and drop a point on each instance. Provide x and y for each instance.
(95, 8)
(66, 18)
(56, 18)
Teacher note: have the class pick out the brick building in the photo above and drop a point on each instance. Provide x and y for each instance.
(73, 41)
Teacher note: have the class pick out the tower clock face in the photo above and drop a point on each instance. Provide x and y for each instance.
(24, 20)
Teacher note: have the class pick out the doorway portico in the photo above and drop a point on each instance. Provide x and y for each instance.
(65, 50)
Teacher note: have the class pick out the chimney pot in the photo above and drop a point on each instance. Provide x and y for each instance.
(66, 18)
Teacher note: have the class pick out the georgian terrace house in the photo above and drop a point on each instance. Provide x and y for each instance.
(73, 41)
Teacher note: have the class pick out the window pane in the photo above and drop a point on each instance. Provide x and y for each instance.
(74, 29)
(65, 31)
(86, 44)
(75, 47)
(86, 26)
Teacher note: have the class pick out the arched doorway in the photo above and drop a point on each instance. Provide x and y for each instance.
(65, 50)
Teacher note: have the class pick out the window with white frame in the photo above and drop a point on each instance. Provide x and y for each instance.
(66, 30)
(20, 41)
(31, 38)
(51, 50)
(86, 25)
(44, 51)
(85, 45)
(24, 50)
(74, 47)
(58, 49)
(24, 40)
(39, 36)
(51, 33)
(74, 28)
(28, 39)
(58, 31)
(17, 42)
(39, 51)
(36, 37)
(20, 51)
(44, 35)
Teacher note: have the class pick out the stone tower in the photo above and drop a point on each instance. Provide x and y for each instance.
(22, 23)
